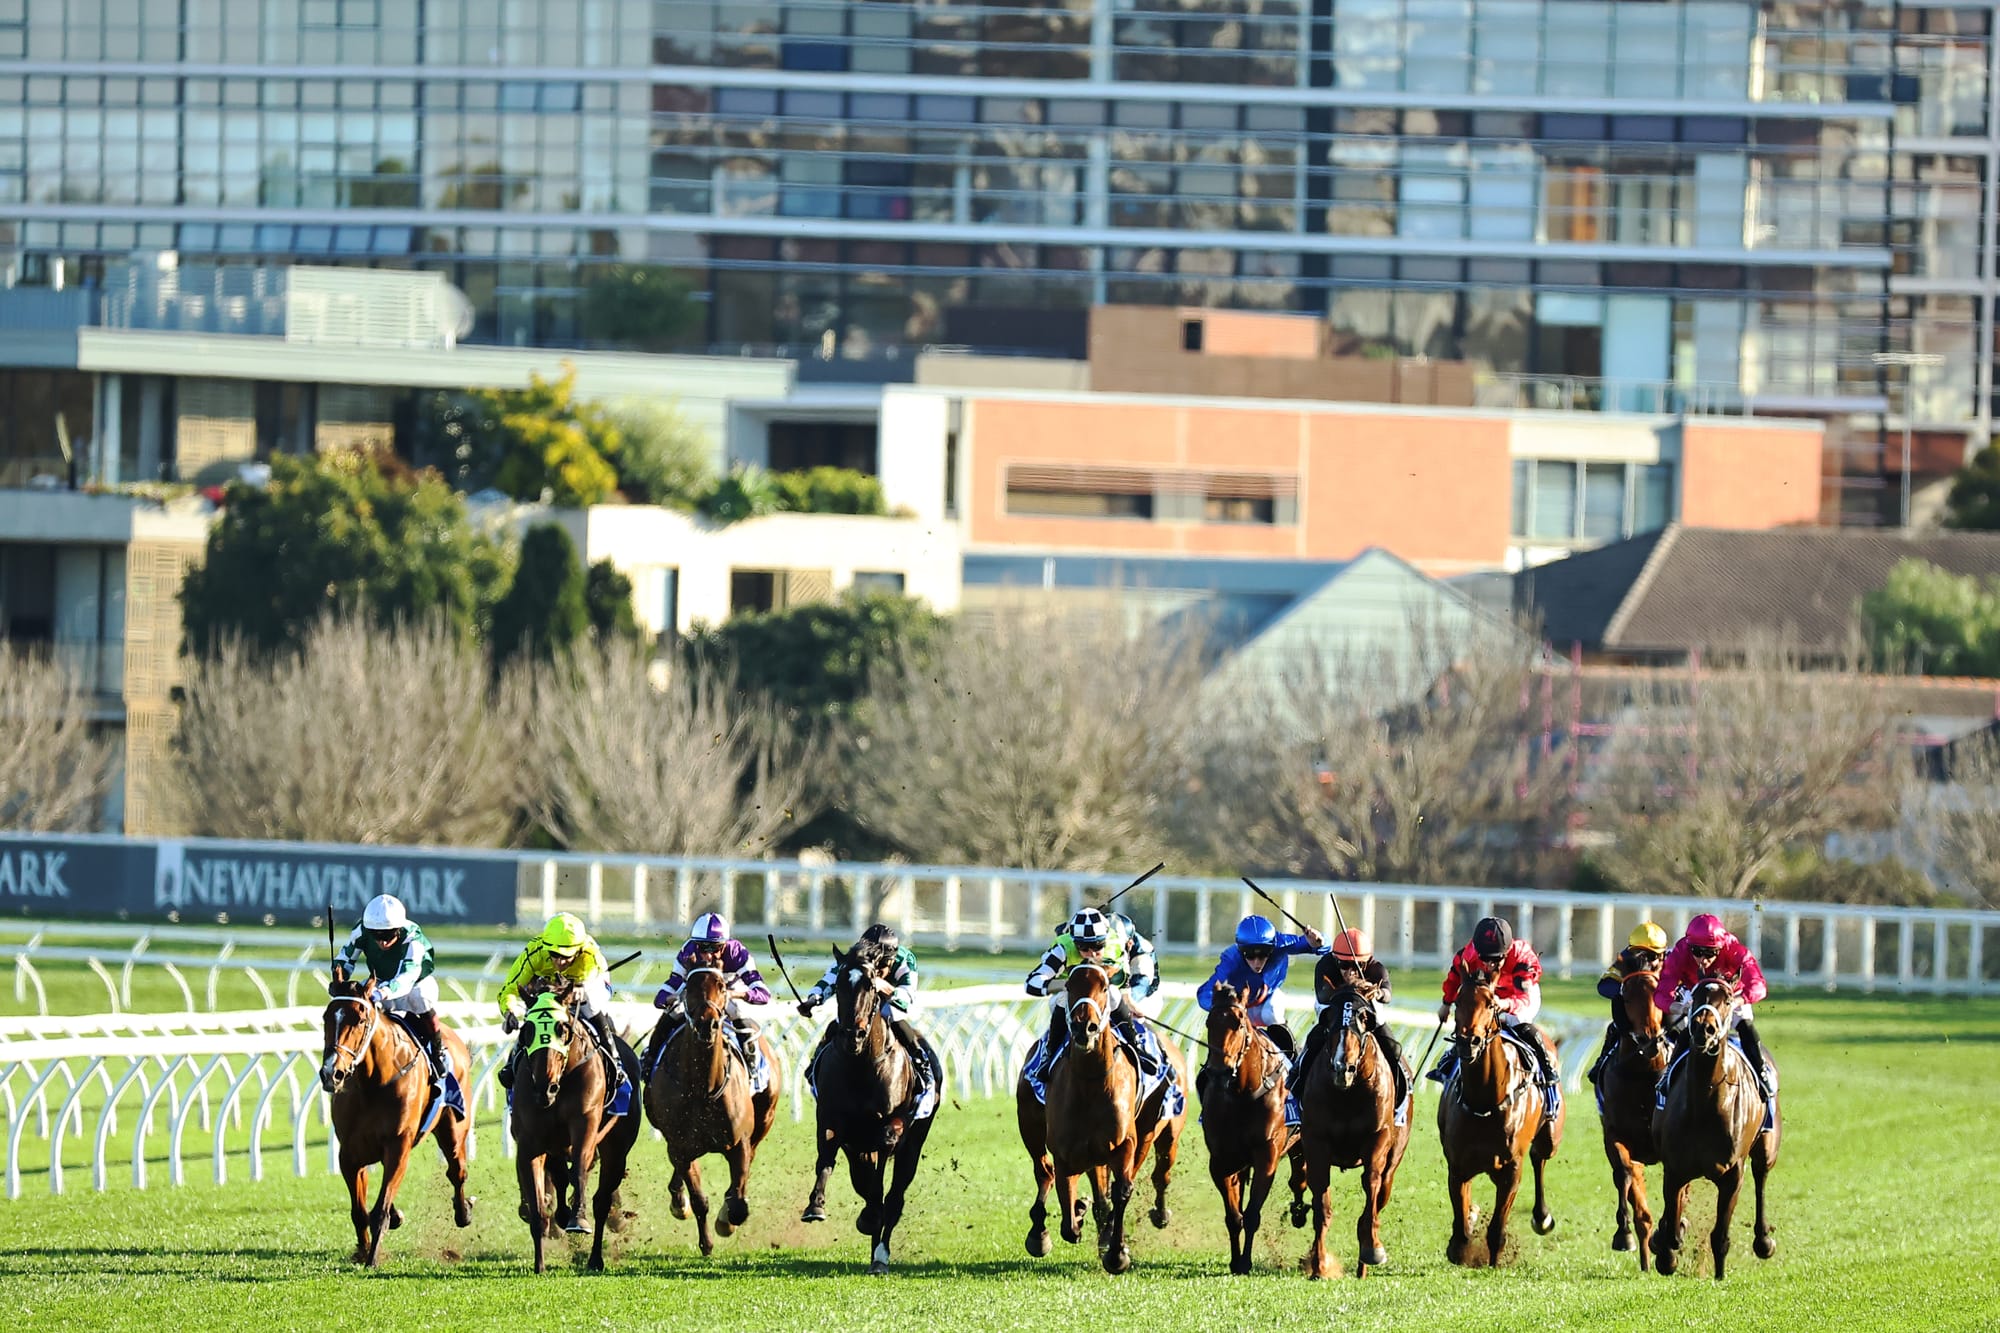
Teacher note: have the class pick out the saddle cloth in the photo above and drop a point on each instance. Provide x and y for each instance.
(445, 1094)
(927, 1104)
(1035, 1071)
(1735, 1044)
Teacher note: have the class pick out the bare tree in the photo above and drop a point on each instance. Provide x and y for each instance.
(54, 769)
(623, 762)
(1419, 759)
(1712, 773)
(1952, 829)
(365, 735)
(1038, 737)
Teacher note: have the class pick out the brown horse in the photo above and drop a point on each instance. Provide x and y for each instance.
(1095, 1125)
(864, 1082)
(1347, 1112)
(1625, 1105)
(1490, 1122)
(560, 1122)
(1242, 1087)
(699, 1098)
(380, 1085)
(1712, 1123)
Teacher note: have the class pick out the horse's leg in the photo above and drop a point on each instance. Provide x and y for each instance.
(1543, 1220)
(1319, 1183)
(1727, 1188)
(1368, 1227)
(1166, 1147)
(908, 1152)
(528, 1171)
(1506, 1185)
(1642, 1213)
(1028, 1118)
(1067, 1207)
(1760, 1166)
(864, 1173)
(395, 1161)
(1226, 1184)
(1117, 1257)
(610, 1175)
(1460, 1189)
(1667, 1239)
(736, 1200)
(829, 1153)
(357, 1197)
(452, 1133)
(1621, 1184)
(1263, 1174)
(691, 1174)
(1100, 1201)
(1301, 1213)
(582, 1156)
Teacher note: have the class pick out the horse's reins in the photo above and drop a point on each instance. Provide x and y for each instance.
(1473, 1052)
(367, 1036)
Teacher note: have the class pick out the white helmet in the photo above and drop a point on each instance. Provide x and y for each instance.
(384, 913)
(709, 928)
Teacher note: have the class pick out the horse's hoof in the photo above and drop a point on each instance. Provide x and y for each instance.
(878, 1269)
(707, 1248)
(679, 1208)
(1544, 1223)
(1665, 1263)
(595, 1265)
(1118, 1260)
(1240, 1265)
(462, 1213)
(1300, 1214)
(1039, 1243)
(865, 1223)
(814, 1213)
(1071, 1235)
(1454, 1253)
(1161, 1217)
(1622, 1241)
(574, 1225)
(395, 1217)
(737, 1210)
(1377, 1256)
(723, 1226)
(1764, 1247)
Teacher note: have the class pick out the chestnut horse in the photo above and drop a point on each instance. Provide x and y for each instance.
(380, 1084)
(1625, 1105)
(1712, 1123)
(1242, 1087)
(699, 1099)
(863, 1084)
(1094, 1124)
(560, 1125)
(1347, 1110)
(1490, 1121)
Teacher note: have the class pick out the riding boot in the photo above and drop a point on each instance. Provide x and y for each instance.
(1393, 1049)
(1746, 1032)
(1129, 1029)
(746, 1042)
(1604, 1056)
(1053, 1043)
(607, 1041)
(1551, 1073)
(1314, 1040)
(432, 1041)
(915, 1046)
(505, 1078)
(657, 1043)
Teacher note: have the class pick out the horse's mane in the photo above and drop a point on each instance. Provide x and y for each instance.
(875, 957)
(350, 987)
(1224, 996)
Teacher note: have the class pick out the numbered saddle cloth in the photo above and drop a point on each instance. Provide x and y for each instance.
(1736, 1044)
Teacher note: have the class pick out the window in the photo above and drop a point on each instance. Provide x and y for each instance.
(1653, 506)
(1554, 506)
(1190, 335)
(752, 590)
(1603, 501)
(1079, 492)
(1562, 501)
(1248, 497)
(873, 581)
(1239, 509)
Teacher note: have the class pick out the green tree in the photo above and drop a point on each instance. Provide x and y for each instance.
(831, 490)
(545, 610)
(816, 661)
(664, 458)
(640, 306)
(540, 442)
(1974, 501)
(608, 596)
(1930, 620)
(338, 534)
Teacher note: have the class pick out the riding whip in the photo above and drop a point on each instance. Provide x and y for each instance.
(1281, 907)
(613, 967)
(784, 971)
(332, 954)
(1133, 885)
(1423, 1063)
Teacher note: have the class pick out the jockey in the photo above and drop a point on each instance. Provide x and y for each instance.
(1517, 975)
(709, 945)
(1355, 964)
(1256, 966)
(899, 998)
(1707, 951)
(1641, 954)
(397, 957)
(563, 951)
(1112, 943)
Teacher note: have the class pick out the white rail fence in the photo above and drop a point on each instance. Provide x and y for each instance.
(239, 1085)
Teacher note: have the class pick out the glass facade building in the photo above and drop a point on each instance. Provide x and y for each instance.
(1738, 197)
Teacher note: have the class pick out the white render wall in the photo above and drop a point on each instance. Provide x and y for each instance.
(640, 540)
(910, 452)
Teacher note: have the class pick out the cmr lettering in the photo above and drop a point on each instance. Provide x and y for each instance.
(33, 874)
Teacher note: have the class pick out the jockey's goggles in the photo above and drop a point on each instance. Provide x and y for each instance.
(563, 956)
(1706, 955)
(1256, 953)
(1493, 960)
(386, 936)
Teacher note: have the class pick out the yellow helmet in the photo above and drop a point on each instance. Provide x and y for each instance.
(564, 931)
(1648, 935)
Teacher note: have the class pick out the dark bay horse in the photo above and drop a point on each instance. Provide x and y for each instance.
(1094, 1124)
(561, 1124)
(864, 1083)
(380, 1085)
(699, 1098)
(1490, 1122)
(1242, 1087)
(1625, 1105)
(1712, 1124)
(1347, 1115)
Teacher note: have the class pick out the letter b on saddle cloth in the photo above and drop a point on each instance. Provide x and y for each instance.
(538, 1033)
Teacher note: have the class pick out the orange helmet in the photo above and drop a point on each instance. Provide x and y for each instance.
(1354, 946)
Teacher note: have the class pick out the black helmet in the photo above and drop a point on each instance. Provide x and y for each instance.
(882, 935)
(1491, 938)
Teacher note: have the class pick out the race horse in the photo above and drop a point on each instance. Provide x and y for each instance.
(1491, 1121)
(562, 1122)
(1095, 1124)
(1625, 1104)
(864, 1086)
(380, 1084)
(1712, 1122)
(1348, 1119)
(698, 1096)
(1242, 1086)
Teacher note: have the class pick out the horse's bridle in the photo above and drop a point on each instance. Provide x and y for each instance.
(862, 985)
(330, 1068)
(714, 1028)
(1721, 1016)
(1337, 1046)
(1074, 1005)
